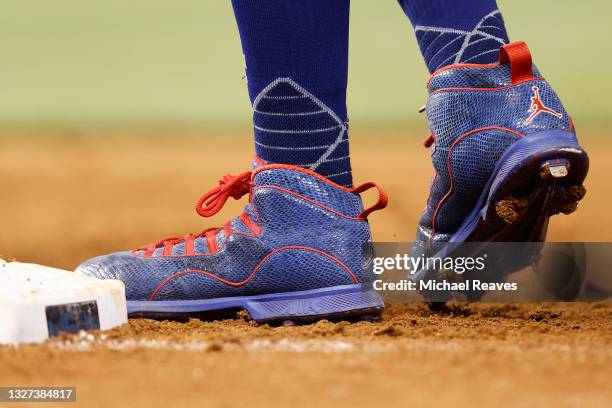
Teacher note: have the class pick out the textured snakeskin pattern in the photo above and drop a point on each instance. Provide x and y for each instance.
(475, 114)
(310, 238)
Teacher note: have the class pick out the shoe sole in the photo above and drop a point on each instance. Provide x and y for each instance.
(333, 303)
(537, 177)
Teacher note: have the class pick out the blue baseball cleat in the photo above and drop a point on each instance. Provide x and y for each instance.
(299, 252)
(504, 151)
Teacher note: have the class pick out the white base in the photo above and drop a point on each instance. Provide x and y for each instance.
(27, 289)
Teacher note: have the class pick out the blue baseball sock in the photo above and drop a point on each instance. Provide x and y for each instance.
(451, 31)
(296, 54)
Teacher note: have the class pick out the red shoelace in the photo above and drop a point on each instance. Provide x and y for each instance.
(207, 205)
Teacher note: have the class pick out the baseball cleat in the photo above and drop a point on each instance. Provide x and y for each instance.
(298, 252)
(504, 151)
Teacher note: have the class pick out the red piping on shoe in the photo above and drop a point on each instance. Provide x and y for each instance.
(461, 65)
(284, 190)
(450, 172)
(301, 170)
(248, 278)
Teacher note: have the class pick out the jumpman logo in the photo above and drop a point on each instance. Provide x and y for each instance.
(537, 107)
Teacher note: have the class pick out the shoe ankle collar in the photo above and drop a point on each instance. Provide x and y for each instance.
(380, 204)
(516, 56)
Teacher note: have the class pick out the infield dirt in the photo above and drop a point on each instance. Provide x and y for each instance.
(65, 199)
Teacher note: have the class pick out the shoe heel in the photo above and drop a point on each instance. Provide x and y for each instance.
(539, 176)
(336, 303)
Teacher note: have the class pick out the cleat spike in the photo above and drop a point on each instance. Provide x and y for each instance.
(566, 199)
(570, 194)
(555, 169)
(288, 323)
(558, 171)
(510, 208)
(568, 208)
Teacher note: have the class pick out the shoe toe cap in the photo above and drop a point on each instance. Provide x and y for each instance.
(113, 266)
(123, 266)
